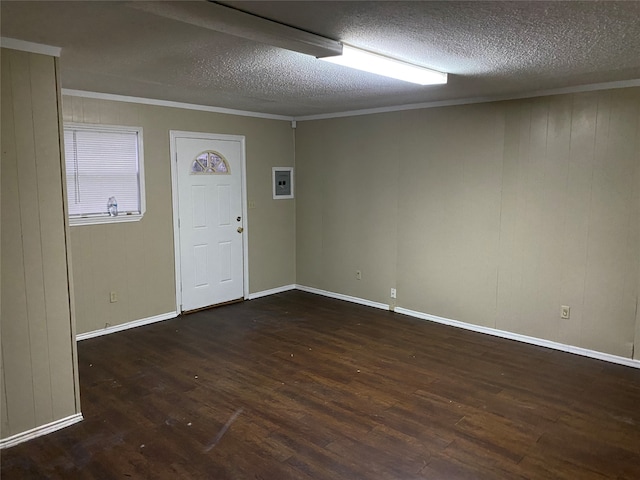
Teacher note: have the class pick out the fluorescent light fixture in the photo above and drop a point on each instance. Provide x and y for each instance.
(225, 19)
(389, 67)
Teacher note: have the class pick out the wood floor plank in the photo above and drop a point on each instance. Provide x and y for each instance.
(298, 386)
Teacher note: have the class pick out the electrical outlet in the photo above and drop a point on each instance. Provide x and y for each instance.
(113, 297)
(252, 204)
(358, 275)
(393, 293)
(565, 312)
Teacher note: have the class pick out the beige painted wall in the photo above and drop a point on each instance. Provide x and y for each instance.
(136, 259)
(39, 371)
(347, 204)
(636, 343)
(492, 214)
(636, 350)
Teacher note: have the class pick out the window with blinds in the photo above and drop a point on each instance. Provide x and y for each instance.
(104, 164)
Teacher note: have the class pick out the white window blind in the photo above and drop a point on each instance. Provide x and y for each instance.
(103, 162)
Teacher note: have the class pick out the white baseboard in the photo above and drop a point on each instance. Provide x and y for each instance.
(126, 326)
(40, 431)
(340, 296)
(272, 291)
(585, 352)
(412, 313)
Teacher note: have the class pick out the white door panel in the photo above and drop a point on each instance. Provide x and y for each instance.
(210, 226)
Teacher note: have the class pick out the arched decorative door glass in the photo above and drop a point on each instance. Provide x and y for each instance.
(210, 163)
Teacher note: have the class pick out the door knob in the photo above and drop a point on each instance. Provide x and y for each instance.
(240, 229)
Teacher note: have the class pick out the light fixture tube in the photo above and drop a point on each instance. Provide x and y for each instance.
(389, 67)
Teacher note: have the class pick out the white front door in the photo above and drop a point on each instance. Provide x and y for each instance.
(210, 225)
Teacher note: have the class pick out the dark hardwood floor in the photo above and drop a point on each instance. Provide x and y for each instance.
(297, 386)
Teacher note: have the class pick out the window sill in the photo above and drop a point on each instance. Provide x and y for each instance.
(102, 219)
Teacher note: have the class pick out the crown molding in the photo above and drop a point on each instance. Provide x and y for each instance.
(171, 104)
(468, 101)
(15, 44)
(351, 113)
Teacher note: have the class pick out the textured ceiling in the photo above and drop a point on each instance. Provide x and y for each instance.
(490, 49)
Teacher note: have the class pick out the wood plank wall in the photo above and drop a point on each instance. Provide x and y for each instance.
(493, 214)
(39, 371)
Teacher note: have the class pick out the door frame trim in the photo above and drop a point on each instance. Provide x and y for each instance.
(173, 136)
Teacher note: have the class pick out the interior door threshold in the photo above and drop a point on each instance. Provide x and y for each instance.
(208, 307)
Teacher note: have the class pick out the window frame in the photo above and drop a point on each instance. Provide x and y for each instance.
(97, 219)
